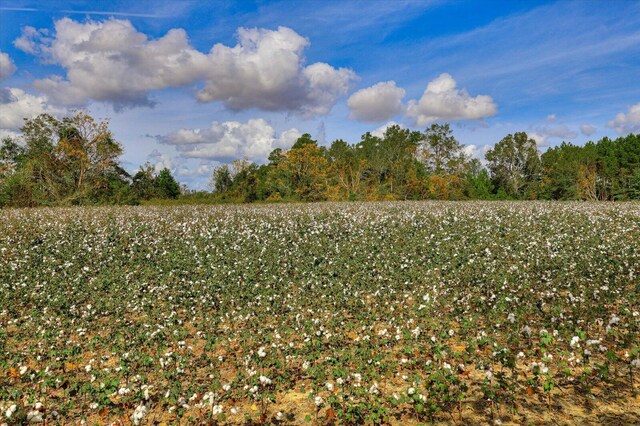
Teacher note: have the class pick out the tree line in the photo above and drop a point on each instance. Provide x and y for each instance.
(75, 161)
(413, 165)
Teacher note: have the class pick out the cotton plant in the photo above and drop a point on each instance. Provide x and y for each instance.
(203, 313)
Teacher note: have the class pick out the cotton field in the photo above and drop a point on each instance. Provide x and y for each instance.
(355, 313)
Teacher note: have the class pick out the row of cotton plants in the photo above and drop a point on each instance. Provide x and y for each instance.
(400, 312)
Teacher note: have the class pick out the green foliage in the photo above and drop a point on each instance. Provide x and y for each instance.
(404, 164)
(74, 161)
(303, 140)
(69, 161)
(514, 163)
(148, 184)
(166, 185)
(442, 151)
(221, 179)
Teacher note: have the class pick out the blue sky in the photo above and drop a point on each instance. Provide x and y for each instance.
(557, 70)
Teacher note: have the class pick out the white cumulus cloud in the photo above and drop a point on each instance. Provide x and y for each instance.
(16, 105)
(552, 128)
(4, 133)
(380, 131)
(7, 67)
(541, 140)
(231, 140)
(33, 41)
(377, 103)
(587, 129)
(203, 169)
(266, 70)
(476, 151)
(627, 123)
(110, 61)
(161, 161)
(443, 101)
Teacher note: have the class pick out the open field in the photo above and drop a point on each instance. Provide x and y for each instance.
(401, 313)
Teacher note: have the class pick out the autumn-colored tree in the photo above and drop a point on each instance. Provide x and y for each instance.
(586, 182)
(306, 167)
(445, 187)
(86, 151)
(66, 161)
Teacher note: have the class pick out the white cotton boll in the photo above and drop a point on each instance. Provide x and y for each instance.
(329, 386)
(138, 414)
(34, 417)
(12, 409)
(264, 380)
(318, 401)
